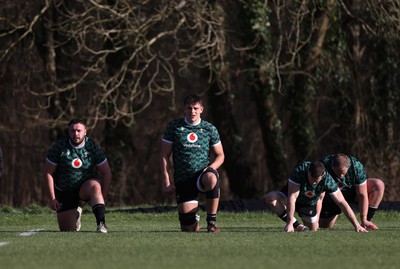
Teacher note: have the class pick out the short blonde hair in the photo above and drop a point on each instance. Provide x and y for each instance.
(340, 160)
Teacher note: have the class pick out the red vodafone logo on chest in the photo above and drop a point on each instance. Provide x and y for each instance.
(76, 163)
(192, 137)
(310, 194)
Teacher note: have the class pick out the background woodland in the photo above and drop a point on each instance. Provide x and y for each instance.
(283, 80)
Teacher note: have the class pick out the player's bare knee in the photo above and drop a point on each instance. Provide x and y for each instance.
(67, 229)
(270, 199)
(380, 185)
(209, 183)
(95, 189)
(189, 229)
(209, 180)
(375, 185)
(67, 226)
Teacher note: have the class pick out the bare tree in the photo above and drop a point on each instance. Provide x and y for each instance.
(106, 61)
(111, 57)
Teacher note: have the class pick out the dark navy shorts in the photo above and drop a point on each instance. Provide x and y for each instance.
(189, 189)
(331, 209)
(68, 199)
(304, 211)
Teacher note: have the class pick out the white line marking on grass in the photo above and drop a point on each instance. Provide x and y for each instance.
(31, 232)
(2, 244)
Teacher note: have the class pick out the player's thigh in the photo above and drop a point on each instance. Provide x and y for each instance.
(275, 198)
(328, 222)
(308, 215)
(330, 209)
(187, 195)
(67, 220)
(188, 207)
(68, 199)
(313, 226)
(375, 184)
(89, 188)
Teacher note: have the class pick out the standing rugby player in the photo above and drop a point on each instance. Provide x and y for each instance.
(189, 141)
(69, 174)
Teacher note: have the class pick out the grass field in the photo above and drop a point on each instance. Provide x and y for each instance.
(30, 239)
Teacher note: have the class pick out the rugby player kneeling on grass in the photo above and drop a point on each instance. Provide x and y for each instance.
(69, 174)
(189, 141)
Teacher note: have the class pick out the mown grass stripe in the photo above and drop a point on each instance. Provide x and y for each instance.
(30, 232)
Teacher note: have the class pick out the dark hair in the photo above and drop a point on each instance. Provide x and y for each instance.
(76, 121)
(193, 99)
(316, 169)
(340, 160)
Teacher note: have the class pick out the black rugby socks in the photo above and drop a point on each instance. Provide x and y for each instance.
(371, 212)
(211, 218)
(99, 212)
(283, 217)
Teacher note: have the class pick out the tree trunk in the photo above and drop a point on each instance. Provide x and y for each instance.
(241, 179)
(303, 90)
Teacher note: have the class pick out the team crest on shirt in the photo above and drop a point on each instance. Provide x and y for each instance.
(76, 163)
(192, 137)
(65, 153)
(309, 194)
(340, 185)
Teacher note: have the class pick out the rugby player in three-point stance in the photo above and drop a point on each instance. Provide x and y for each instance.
(70, 178)
(303, 194)
(352, 180)
(189, 141)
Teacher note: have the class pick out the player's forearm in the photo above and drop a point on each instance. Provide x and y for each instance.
(48, 175)
(106, 176)
(164, 171)
(50, 187)
(165, 181)
(290, 210)
(319, 204)
(218, 161)
(166, 151)
(106, 184)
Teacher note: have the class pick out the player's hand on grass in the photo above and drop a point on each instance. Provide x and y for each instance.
(360, 229)
(289, 228)
(369, 225)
